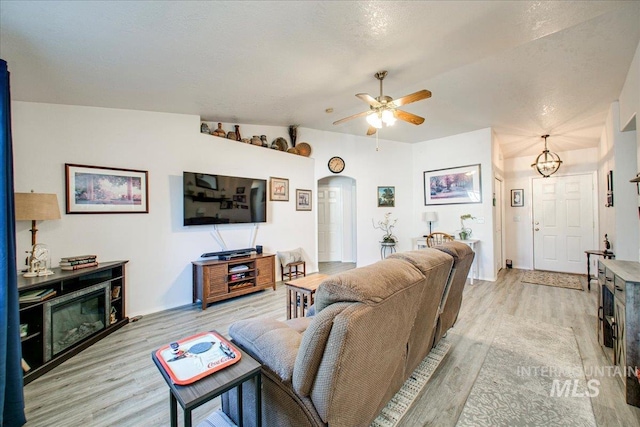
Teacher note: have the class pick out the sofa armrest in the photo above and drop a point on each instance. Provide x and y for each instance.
(271, 342)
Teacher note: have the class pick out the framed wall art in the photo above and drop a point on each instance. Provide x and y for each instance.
(303, 200)
(386, 197)
(97, 189)
(451, 186)
(279, 189)
(517, 198)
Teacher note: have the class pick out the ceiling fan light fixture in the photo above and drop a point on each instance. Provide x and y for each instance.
(547, 163)
(375, 120)
(388, 118)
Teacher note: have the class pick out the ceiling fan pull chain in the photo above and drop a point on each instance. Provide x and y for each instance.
(377, 148)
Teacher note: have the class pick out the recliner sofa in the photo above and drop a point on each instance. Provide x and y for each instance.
(373, 325)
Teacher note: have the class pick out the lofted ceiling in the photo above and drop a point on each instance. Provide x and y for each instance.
(523, 68)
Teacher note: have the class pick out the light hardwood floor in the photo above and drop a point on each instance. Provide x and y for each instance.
(115, 383)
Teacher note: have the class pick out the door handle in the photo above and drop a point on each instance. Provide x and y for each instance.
(537, 229)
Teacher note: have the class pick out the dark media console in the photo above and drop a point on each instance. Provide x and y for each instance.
(227, 255)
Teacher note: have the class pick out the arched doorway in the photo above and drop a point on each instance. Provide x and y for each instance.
(337, 219)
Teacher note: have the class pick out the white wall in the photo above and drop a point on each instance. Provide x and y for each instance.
(390, 166)
(159, 248)
(458, 150)
(618, 154)
(518, 220)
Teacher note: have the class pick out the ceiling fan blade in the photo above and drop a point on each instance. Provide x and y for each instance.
(408, 117)
(416, 96)
(355, 116)
(369, 99)
(371, 130)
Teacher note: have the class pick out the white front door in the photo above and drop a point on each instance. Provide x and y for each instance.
(329, 224)
(563, 222)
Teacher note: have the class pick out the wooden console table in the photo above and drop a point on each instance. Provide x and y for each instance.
(300, 294)
(217, 280)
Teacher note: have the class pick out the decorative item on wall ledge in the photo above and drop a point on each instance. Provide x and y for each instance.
(303, 200)
(465, 232)
(547, 163)
(96, 189)
(293, 134)
(517, 198)
(386, 197)
(279, 189)
(451, 186)
(609, 190)
(279, 143)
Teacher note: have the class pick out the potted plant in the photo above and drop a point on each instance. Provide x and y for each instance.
(386, 225)
(465, 232)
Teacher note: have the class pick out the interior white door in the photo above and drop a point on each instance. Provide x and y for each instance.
(563, 222)
(329, 224)
(497, 226)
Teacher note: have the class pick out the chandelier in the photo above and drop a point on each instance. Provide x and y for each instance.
(547, 163)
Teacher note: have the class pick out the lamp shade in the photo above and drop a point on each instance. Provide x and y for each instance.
(430, 216)
(36, 206)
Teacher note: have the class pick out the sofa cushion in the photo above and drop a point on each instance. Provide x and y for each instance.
(370, 285)
(271, 342)
(312, 348)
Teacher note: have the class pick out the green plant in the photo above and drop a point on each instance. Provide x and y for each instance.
(386, 225)
(465, 232)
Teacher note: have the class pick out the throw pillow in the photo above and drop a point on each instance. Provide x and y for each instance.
(287, 257)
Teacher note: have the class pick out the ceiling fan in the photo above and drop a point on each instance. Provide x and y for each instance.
(383, 110)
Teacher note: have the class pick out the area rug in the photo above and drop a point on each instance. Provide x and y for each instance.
(551, 278)
(532, 376)
(400, 403)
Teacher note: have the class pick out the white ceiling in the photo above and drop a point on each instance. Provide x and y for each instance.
(523, 68)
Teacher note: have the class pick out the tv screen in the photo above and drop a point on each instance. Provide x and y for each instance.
(219, 199)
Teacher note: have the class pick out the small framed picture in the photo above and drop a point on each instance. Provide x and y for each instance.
(303, 200)
(97, 189)
(386, 197)
(517, 198)
(279, 189)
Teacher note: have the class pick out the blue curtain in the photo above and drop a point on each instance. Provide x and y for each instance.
(11, 393)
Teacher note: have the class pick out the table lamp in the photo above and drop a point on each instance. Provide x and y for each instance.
(37, 207)
(430, 217)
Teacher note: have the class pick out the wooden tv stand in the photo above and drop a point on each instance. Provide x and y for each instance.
(217, 280)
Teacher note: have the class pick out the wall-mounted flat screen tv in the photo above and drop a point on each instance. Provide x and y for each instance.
(220, 199)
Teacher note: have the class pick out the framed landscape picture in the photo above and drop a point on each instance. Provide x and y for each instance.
(279, 189)
(452, 186)
(96, 189)
(386, 197)
(303, 200)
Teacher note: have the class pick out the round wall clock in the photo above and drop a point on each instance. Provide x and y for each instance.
(336, 164)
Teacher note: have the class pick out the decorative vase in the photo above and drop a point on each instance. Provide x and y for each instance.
(238, 138)
(255, 140)
(263, 138)
(463, 235)
(293, 134)
(219, 131)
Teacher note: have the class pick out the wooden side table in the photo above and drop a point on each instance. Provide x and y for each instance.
(193, 395)
(605, 254)
(300, 294)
